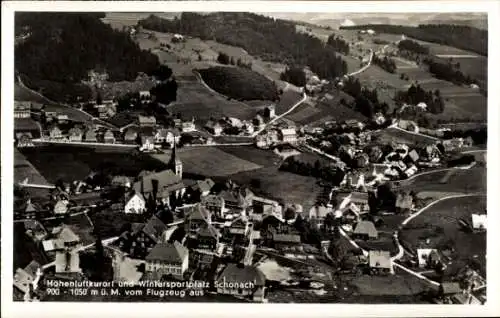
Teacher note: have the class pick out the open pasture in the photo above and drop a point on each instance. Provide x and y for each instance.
(195, 100)
(209, 161)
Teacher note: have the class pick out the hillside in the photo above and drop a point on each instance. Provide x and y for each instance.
(267, 38)
(459, 36)
(63, 47)
(239, 83)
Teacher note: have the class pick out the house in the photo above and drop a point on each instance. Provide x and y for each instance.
(208, 238)
(196, 218)
(286, 241)
(408, 125)
(479, 221)
(144, 94)
(422, 106)
(318, 213)
(146, 121)
(239, 227)
(360, 199)
(404, 203)
(136, 204)
(380, 262)
(130, 136)
(233, 200)
(288, 135)
(61, 207)
(147, 143)
(365, 230)
(413, 155)
(215, 204)
(379, 119)
(167, 259)
(214, 128)
(204, 186)
(262, 207)
(239, 280)
(35, 230)
(428, 258)
(141, 238)
(75, 134)
(432, 153)
(24, 139)
(22, 109)
(285, 151)
(465, 299)
(55, 133)
(109, 137)
(62, 118)
(25, 279)
(169, 136)
(362, 160)
(411, 170)
(160, 184)
(90, 136)
(188, 126)
(121, 181)
(68, 261)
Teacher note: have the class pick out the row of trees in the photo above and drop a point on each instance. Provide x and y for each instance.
(462, 37)
(385, 63)
(416, 94)
(366, 100)
(448, 71)
(270, 39)
(338, 44)
(225, 59)
(317, 170)
(412, 46)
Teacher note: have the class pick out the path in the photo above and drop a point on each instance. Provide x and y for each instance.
(82, 143)
(395, 126)
(364, 68)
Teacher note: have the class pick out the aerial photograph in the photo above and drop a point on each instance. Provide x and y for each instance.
(250, 157)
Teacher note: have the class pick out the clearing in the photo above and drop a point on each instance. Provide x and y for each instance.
(468, 247)
(391, 134)
(258, 156)
(209, 161)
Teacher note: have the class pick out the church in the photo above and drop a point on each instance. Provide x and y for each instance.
(164, 185)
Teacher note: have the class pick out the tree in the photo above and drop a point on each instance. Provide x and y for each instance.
(294, 75)
(223, 58)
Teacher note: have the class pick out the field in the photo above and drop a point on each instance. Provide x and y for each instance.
(457, 181)
(195, 100)
(316, 113)
(400, 284)
(287, 100)
(24, 169)
(75, 163)
(258, 156)
(445, 214)
(400, 136)
(209, 161)
(289, 187)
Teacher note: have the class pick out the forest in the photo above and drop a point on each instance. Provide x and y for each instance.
(63, 47)
(459, 36)
(316, 170)
(294, 75)
(366, 100)
(416, 94)
(270, 39)
(338, 44)
(386, 63)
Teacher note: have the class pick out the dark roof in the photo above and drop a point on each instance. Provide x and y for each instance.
(413, 155)
(234, 274)
(173, 253)
(166, 179)
(205, 185)
(137, 227)
(366, 227)
(154, 228)
(198, 212)
(32, 268)
(209, 231)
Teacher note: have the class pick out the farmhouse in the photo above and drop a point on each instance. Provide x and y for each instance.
(197, 217)
(365, 230)
(215, 204)
(404, 203)
(204, 186)
(208, 238)
(239, 227)
(214, 128)
(318, 213)
(68, 261)
(56, 133)
(90, 136)
(148, 143)
(136, 204)
(380, 262)
(24, 279)
(167, 259)
(288, 135)
(141, 238)
(109, 137)
(188, 126)
(61, 207)
(146, 121)
(75, 134)
(22, 109)
(408, 125)
(286, 241)
(35, 230)
(24, 140)
(428, 258)
(448, 289)
(479, 221)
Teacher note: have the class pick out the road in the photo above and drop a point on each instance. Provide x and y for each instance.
(77, 143)
(413, 133)
(364, 68)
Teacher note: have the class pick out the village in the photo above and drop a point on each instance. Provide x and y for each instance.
(153, 190)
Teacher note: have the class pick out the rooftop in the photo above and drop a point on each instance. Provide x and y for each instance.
(380, 259)
(173, 253)
(237, 274)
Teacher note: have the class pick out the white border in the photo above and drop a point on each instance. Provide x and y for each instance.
(10, 309)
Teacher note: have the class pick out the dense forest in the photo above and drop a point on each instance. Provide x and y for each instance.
(459, 36)
(63, 47)
(239, 83)
(416, 94)
(270, 39)
(338, 44)
(294, 75)
(412, 46)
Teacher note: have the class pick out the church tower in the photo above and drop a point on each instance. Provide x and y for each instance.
(175, 164)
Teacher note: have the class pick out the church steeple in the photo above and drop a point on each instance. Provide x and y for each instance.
(175, 164)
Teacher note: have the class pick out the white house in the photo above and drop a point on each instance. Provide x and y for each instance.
(168, 259)
(288, 135)
(61, 207)
(136, 204)
(188, 126)
(479, 221)
(422, 106)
